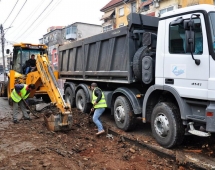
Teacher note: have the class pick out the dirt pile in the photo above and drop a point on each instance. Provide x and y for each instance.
(29, 145)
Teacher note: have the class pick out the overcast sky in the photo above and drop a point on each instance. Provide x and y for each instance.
(29, 23)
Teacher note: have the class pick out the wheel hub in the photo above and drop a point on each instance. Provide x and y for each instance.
(120, 114)
(80, 102)
(161, 125)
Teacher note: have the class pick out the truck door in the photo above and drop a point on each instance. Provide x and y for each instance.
(180, 70)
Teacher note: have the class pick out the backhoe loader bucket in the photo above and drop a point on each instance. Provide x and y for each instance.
(58, 122)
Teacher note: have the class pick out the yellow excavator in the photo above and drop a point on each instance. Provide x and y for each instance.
(45, 80)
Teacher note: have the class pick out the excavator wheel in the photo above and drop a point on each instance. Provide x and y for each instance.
(54, 122)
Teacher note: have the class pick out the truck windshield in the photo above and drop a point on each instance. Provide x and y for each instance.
(212, 25)
(21, 56)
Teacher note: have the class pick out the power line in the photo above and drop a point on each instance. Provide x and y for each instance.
(50, 11)
(11, 11)
(35, 20)
(21, 25)
(17, 14)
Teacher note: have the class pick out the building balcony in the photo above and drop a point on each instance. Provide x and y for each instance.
(71, 36)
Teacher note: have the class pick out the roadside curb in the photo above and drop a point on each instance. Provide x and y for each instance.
(182, 158)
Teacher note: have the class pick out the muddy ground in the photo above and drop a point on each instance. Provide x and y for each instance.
(29, 145)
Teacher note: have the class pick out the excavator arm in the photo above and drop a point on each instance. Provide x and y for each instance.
(45, 75)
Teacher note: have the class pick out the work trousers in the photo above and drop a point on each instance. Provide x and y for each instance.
(96, 118)
(16, 109)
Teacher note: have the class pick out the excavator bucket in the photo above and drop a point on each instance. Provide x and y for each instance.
(58, 122)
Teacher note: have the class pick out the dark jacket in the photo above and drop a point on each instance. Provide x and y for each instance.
(31, 63)
(98, 94)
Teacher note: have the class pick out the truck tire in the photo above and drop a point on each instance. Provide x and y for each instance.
(4, 93)
(81, 101)
(166, 124)
(123, 114)
(3, 89)
(69, 97)
(137, 62)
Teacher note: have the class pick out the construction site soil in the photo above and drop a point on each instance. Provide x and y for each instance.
(29, 145)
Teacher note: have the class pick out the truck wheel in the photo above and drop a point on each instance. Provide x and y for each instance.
(137, 62)
(123, 114)
(166, 124)
(1, 89)
(81, 101)
(4, 92)
(69, 97)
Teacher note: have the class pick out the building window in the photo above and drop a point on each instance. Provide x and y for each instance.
(121, 25)
(145, 8)
(121, 11)
(74, 30)
(166, 10)
(71, 30)
(107, 28)
(68, 30)
(133, 7)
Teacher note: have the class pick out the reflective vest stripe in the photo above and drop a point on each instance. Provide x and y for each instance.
(101, 103)
(16, 98)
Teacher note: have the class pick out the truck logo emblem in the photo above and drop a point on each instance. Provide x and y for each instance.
(177, 71)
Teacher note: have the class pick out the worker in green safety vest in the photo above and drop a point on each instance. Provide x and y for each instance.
(20, 93)
(99, 105)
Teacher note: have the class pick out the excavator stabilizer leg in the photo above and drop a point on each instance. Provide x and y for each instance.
(58, 122)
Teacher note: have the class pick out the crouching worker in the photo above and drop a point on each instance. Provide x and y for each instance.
(99, 105)
(20, 93)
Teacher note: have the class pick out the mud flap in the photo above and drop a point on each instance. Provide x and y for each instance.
(54, 122)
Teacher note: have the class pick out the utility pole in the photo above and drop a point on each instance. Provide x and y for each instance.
(2, 43)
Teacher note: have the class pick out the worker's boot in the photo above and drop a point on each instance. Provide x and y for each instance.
(15, 121)
(27, 118)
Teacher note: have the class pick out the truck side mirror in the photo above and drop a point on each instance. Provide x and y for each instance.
(189, 41)
(7, 51)
(190, 37)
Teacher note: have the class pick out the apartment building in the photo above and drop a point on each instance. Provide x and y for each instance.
(115, 13)
(159, 7)
(65, 34)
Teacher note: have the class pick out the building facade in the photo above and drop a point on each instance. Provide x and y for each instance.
(116, 12)
(79, 30)
(58, 35)
(159, 7)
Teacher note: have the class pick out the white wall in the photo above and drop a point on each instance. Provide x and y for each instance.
(84, 30)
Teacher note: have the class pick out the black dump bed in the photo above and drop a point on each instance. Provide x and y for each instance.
(105, 57)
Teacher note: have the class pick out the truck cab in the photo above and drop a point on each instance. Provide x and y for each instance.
(184, 72)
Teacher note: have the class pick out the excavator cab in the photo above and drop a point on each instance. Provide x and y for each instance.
(22, 54)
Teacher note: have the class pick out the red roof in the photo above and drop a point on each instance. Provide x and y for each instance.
(111, 3)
